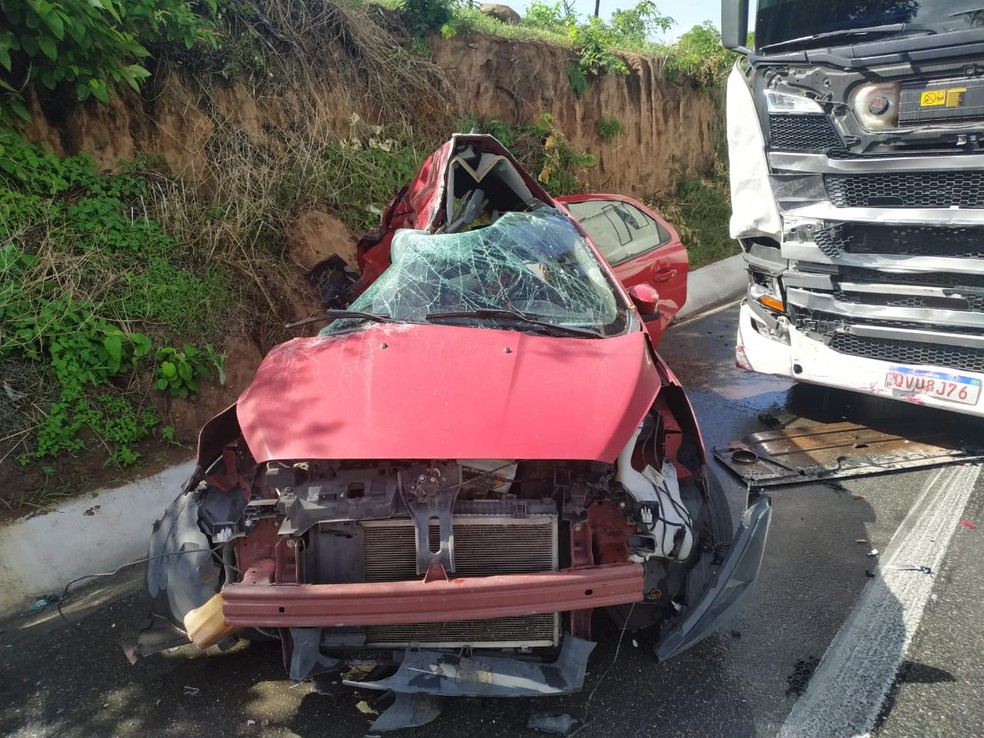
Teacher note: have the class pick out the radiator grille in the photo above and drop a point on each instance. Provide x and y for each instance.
(532, 630)
(902, 240)
(803, 133)
(925, 190)
(910, 352)
(483, 545)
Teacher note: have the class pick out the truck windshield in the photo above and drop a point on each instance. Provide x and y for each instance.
(801, 24)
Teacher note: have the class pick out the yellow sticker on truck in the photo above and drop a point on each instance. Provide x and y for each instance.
(951, 98)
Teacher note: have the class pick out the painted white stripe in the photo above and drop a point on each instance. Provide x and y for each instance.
(851, 682)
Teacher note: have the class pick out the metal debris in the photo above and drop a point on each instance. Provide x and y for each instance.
(913, 567)
(814, 451)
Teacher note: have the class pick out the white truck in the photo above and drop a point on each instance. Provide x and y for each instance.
(856, 139)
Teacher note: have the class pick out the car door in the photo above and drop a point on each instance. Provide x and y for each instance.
(641, 247)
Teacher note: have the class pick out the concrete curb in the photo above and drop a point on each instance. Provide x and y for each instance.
(40, 554)
(713, 285)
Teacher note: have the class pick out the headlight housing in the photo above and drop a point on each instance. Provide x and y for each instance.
(783, 102)
(764, 289)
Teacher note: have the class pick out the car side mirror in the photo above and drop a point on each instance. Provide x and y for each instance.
(646, 300)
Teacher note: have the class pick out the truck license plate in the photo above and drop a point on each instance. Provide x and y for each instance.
(949, 387)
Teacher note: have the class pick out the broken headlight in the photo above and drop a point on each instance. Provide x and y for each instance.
(764, 289)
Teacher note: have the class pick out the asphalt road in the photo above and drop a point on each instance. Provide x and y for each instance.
(73, 681)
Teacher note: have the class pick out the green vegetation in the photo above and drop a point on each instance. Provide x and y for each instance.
(699, 55)
(609, 129)
(700, 210)
(82, 266)
(595, 42)
(542, 149)
(89, 45)
(367, 168)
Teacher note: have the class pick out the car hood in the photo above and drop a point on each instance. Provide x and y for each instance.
(446, 392)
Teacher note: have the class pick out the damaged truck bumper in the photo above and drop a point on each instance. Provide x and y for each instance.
(806, 359)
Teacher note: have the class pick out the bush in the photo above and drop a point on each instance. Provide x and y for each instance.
(82, 266)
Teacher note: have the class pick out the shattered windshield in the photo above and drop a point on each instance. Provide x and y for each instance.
(535, 265)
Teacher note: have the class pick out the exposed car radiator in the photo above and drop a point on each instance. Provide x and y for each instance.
(483, 545)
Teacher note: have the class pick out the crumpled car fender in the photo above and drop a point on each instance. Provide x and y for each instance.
(182, 571)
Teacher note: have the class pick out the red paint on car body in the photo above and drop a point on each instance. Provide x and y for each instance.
(434, 391)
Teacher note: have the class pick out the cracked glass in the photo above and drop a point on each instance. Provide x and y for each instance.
(535, 264)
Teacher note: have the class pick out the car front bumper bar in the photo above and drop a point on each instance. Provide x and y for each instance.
(408, 602)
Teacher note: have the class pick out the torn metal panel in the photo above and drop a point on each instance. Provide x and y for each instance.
(450, 675)
(820, 451)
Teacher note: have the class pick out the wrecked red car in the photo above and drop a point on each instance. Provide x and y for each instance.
(477, 454)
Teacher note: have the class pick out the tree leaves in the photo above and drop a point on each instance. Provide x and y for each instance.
(90, 44)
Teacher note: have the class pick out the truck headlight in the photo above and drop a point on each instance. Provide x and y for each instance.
(877, 105)
(764, 289)
(783, 102)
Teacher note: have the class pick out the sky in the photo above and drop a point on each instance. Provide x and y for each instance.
(686, 13)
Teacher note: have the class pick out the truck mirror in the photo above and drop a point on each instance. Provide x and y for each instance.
(734, 24)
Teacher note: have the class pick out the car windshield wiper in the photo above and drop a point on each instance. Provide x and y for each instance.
(847, 33)
(335, 314)
(518, 316)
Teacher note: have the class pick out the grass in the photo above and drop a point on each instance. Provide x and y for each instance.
(700, 210)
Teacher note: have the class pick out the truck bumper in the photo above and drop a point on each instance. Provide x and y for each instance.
(808, 360)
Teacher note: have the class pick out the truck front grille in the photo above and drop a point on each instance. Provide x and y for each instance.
(966, 242)
(803, 133)
(971, 303)
(921, 279)
(909, 352)
(916, 190)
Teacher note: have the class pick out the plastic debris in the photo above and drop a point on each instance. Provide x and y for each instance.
(872, 553)
(191, 691)
(968, 524)
(250, 722)
(542, 722)
(862, 541)
(858, 497)
(44, 601)
(407, 711)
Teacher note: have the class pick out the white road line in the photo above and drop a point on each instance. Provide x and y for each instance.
(851, 682)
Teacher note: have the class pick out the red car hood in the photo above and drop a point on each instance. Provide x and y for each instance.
(447, 392)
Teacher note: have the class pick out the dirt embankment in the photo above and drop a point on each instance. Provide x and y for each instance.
(668, 129)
